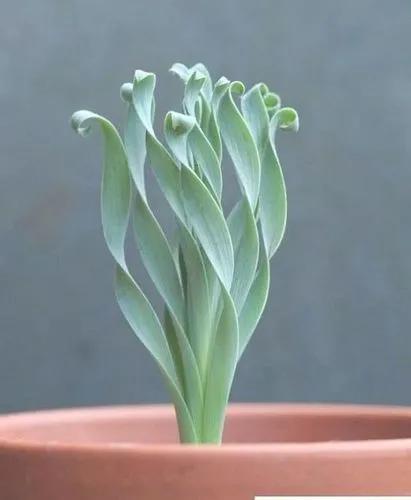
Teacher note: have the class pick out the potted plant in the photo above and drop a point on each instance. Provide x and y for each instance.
(213, 276)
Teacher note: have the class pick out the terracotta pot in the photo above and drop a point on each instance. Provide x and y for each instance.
(128, 453)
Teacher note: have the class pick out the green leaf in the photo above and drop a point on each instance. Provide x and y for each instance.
(116, 186)
(273, 197)
(177, 127)
(240, 144)
(222, 363)
(186, 428)
(209, 225)
(143, 320)
(165, 169)
(207, 88)
(157, 257)
(207, 160)
(198, 319)
(191, 379)
(220, 88)
(255, 303)
(115, 203)
(272, 102)
(205, 113)
(171, 335)
(181, 71)
(167, 174)
(134, 141)
(256, 115)
(213, 135)
(244, 236)
(143, 97)
(192, 92)
(200, 97)
(273, 201)
(185, 73)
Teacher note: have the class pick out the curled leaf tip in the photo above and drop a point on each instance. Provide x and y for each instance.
(78, 122)
(221, 82)
(179, 123)
(263, 88)
(126, 92)
(180, 69)
(237, 87)
(196, 80)
(286, 119)
(140, 75)
(200, 67)
(198, 76)
(272, 102)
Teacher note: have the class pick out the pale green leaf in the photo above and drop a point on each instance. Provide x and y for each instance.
(240, 144)
(244, 236)
(255, 303)
(177, 127)
(207, 88)
(273, 201)
(223, 358)
(220, 88)
(181, 71)
(207, 160)
(134, 141)
(192, 92)
(256, 115)
(164, 167)
(143, 97)
(157, 257)
(115, 203)
(184, 74)
(143, 320)
(209, 225)
(191, 379)
(272, 102)
(167, 174)
(205, 113)
(198, 315)
(273, 198)
(213, 135)
(116, 186)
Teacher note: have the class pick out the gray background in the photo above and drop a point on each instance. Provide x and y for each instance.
(337, 327)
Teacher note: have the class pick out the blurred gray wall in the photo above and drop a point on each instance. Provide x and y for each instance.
(337, 327)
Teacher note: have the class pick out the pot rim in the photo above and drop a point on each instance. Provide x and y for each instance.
(320, 410)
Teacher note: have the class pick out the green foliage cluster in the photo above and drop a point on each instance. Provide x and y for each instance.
(214, 276)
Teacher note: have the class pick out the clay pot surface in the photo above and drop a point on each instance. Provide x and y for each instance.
(130, 453)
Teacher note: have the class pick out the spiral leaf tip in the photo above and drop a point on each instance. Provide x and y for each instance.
(126, 92)
(221, 82)
(140, 76)
(179, 123)
(287, 119)
(237, 88)
(77, 122)
(272, 101)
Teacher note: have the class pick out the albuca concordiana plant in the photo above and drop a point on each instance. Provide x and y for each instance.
(214, 277)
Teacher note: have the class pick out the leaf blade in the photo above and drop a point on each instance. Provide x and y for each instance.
(240, 144)
(244, 235)
(220, 374)
(209, 225)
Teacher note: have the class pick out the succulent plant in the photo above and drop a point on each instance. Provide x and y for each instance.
(214, 276)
